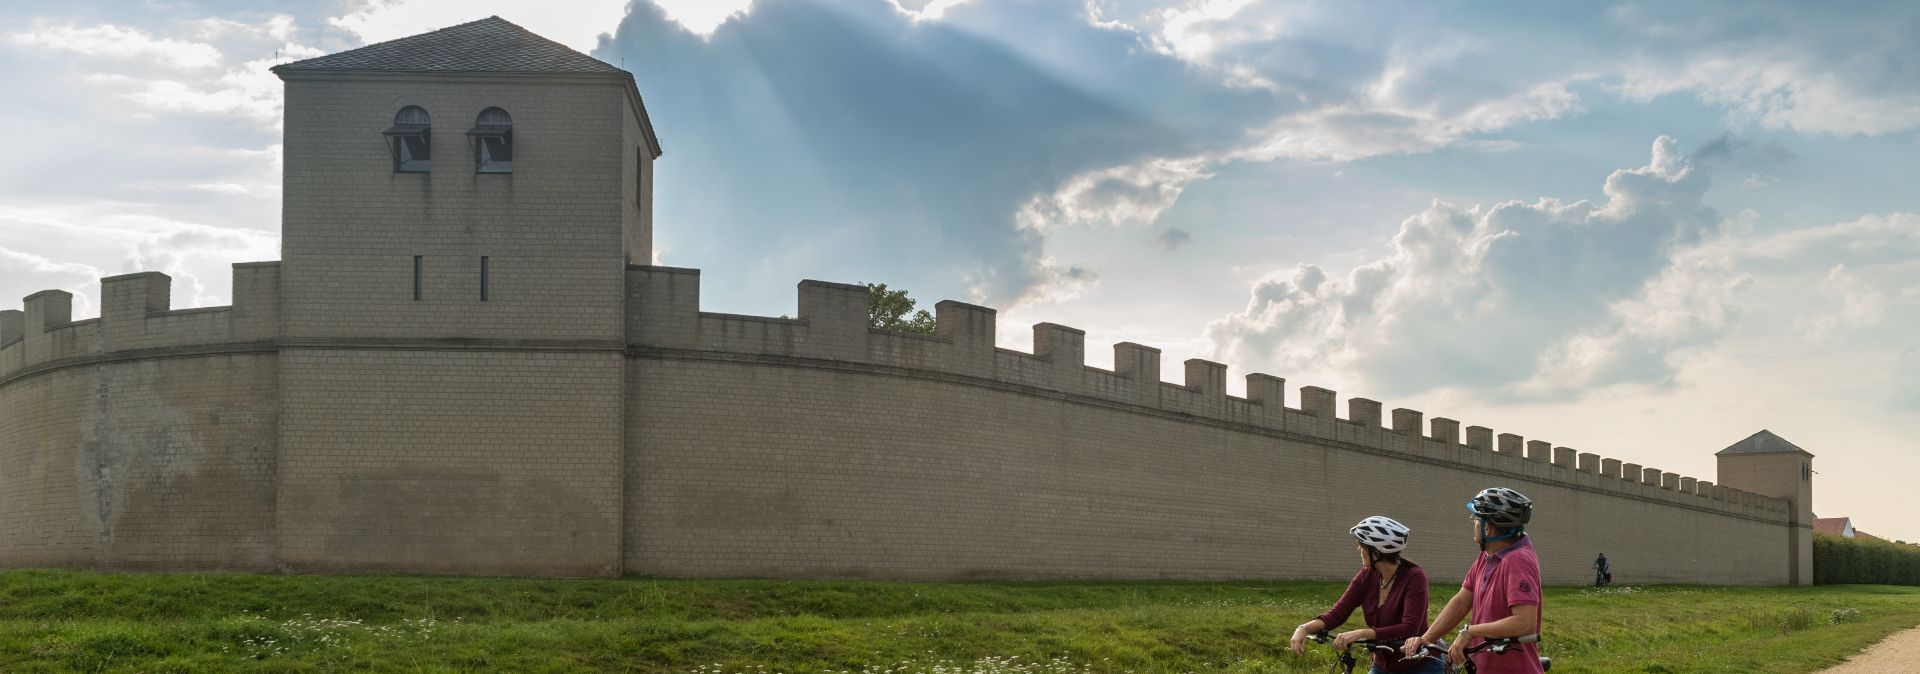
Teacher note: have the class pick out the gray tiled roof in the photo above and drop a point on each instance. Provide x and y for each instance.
(491, 45)
(1764, 442)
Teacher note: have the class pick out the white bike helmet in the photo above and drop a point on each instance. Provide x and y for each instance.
(1382, 534)
(1501, 507)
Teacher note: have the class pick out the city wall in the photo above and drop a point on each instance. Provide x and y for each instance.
(145, 438)
(817, 446)
(805, 447)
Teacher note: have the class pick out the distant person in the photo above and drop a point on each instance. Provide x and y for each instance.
(1602, 575)
(1502, 589)
(1391, 593)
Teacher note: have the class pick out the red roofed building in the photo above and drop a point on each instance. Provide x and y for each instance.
(1834, 526)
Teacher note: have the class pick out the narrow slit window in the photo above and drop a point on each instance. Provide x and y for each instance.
(411, 140)
(416, 277)
(492, 136)
(483, 278)
(639, 179)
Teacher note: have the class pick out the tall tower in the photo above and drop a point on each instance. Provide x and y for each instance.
(1768, 465)
(459, 210)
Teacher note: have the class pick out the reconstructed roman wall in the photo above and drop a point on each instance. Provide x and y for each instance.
(817, 446)
(153, 438)
(145, 438)
(467, 419)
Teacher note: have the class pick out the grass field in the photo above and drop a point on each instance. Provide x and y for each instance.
(61, 621)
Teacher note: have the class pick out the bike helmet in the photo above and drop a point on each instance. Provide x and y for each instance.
(1501, 507)
(1382, 534)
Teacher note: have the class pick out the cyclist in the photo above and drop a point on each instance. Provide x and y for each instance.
(1601, 571)
(1391, 593)
(1502, 588)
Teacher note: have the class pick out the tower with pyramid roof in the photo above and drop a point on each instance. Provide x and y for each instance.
(1769, 465)
(460, 209)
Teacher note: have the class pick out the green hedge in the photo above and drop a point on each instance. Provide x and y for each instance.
(1851, 560)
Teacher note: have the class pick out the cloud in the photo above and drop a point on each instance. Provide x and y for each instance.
(249, 92)
(1173, 238)
(105, 239)
(1123, 195)
(1362, 129)
(576, 23)
(1798, 68)
(950, 157)
(116, 42)
(924, 10)
(1488, 299)
(279, 28)
(1849, 302)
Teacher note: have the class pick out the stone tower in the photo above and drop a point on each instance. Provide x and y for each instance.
(1768, 465)
(460, 208)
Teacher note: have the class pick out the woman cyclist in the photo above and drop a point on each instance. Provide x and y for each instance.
(1391, 593)
(1502, 589)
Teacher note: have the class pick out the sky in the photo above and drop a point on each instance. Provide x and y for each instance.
(1644, 230)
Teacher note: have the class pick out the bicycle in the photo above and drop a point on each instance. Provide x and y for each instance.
(1346, 661)
(1500, 646)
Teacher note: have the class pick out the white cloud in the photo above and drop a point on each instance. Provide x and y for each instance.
(249, 92)
(919, 10)
(1848, 302)
(1478, 298)
(1194, 30)
(576, 23)
(279, 28)
(117, 42)
(1784, 89)
(1038, 278)
(1800, 68)
(107, 238)
(23, 262)
(1362, 129)
(1122, 195)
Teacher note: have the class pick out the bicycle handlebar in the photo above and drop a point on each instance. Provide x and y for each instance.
(1500, 645)
(1326, 637)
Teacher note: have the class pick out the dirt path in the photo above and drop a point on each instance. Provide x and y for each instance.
(1897, 653)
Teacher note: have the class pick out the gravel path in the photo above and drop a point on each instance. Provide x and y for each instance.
(1897, 653)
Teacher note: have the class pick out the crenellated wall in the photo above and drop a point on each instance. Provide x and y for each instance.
(145, 438)
(820, 446)
(722, 445)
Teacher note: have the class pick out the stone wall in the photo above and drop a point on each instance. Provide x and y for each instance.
(718, 445)
(143, 439)
(817, 446)
(491, 462)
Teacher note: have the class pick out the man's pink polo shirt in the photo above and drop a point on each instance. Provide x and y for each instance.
(1499, 582)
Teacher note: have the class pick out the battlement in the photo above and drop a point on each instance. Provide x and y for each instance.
(832, 330)
(136, 316)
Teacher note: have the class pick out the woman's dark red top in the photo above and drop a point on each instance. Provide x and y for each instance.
(1401, 615)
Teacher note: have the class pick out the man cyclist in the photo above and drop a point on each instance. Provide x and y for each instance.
(1601, 571)
(1502, 589)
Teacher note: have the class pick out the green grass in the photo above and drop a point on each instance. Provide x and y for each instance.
(64, 621)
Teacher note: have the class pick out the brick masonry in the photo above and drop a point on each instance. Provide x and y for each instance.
(588, 419)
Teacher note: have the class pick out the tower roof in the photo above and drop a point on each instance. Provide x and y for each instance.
(1764, 442)
(491, 45)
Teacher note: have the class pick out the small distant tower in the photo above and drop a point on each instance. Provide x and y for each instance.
(1768, 465)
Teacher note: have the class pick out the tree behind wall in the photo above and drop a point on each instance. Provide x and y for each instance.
(893, 310)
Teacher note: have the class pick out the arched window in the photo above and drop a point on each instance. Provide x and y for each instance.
(493, 142)
(411, 140)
